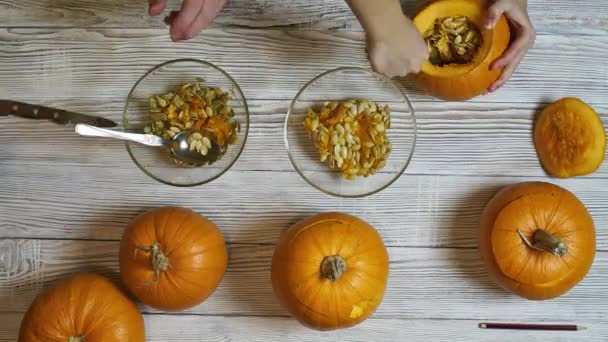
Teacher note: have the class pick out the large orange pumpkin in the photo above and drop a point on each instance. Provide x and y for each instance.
(172, 258)
(537, 240)
(570, 138)
(83, 308)
(330, 271)
(457, 82)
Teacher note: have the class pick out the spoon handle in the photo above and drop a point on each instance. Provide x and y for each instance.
(92, 131)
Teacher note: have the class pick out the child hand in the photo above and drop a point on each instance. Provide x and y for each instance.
(397, 49)
(194, 16)
(516, 11)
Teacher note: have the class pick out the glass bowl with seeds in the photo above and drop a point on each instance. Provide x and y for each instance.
(193, 96)
(350, 132)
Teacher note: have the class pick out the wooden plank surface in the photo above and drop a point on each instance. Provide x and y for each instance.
(104, 64)
(548, 16)
(424, 283)
(474, 139)
(247, 329)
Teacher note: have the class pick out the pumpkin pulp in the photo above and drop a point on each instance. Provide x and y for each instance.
(76, 339)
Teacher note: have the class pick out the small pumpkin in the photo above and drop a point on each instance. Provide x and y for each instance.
(537, 240)
(456, 82)
(330, 271)
(570, 138)
(82, 308)
(172, 258)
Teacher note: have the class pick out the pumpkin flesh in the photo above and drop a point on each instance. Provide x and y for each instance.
(82, 308)
(531, 273)
(308, 292)
(462, 81)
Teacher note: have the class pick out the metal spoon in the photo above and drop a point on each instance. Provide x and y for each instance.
(178, 145)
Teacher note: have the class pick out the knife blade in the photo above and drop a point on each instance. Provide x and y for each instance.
(30, 111)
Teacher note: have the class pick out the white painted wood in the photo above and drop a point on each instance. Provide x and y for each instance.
(268, 64)
(452, 139)
(248, 329)
(433, 283)
(548, 16)
(98, 202)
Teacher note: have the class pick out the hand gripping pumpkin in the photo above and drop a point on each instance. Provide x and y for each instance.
(172, 258)
(330, 271)
(82, 308)
(537, 240)
(461, 49)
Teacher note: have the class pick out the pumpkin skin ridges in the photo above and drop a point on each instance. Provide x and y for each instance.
(196, 253)
(583, 242)
(473, 82)
(83, 304)
(314, 300)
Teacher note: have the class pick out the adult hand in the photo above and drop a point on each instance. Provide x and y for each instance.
(516, 11)
(194, 16)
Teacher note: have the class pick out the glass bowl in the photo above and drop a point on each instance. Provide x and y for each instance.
(155, 161)
(345, 84)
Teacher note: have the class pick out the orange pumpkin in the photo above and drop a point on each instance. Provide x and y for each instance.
(457, 82)
(330, 271)
(570, 138)
(172, 258)
(537, 240)
(82, 308)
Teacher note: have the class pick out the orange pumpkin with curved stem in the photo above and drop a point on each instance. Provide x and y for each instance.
(330, 271)
(172, 258)
(456, 82)
(84, 307)
(537, 240)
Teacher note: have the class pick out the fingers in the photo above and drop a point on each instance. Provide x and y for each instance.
(495, 11)
(180, 26)
(522, 43)
(506, 73)
(157, 7)
(204, 19)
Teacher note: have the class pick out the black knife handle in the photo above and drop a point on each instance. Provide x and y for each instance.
(27, 110)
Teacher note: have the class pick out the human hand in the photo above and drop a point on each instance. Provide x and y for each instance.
(397, 49)
(516, 11)
(193, 16)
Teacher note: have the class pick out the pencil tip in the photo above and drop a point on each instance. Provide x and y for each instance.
(482, 325)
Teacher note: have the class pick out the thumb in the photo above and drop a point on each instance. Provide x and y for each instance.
(494, 13)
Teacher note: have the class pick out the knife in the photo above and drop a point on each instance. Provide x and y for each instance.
(26, 110)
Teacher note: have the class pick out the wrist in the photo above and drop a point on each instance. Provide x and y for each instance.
(378, 17)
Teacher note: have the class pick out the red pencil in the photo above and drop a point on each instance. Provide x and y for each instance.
(520, 326)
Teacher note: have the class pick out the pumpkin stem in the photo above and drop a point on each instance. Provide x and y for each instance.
(76, 339)
(544, 241)
(160, 262)
(333, 267)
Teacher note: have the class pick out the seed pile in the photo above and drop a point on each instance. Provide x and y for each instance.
(351, 136)
(192, 107)
(453, 40)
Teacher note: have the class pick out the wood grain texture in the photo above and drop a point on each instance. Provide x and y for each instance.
(548, 16)
(268, 64)
(247, 329)
(452, 139)
(439, 283)
(97, 202)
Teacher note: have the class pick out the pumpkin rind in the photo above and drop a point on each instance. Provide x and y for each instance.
(194, 249)
(83, 305)
(570, 138)
(321, 296)
(527, 272)
(462, 82)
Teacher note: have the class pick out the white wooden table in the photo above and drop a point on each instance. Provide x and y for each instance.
(63, 210)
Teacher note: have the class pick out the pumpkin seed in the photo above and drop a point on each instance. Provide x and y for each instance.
(452, 40)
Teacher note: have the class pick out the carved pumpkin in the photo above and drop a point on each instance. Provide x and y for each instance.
(83, 307)
(172, 258)
(537, 240)
(330, 271)
(570, 138)
(457, 82)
